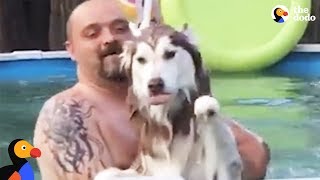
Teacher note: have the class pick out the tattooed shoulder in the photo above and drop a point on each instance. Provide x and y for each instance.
(67, 134)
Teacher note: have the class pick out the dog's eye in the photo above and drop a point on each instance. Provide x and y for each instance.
(141, 60)
(169, 54)
(211, 113)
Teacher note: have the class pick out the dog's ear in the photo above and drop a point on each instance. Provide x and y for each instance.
(202, 75)
(135, 30)
(203, 82)
(187, 31)
(126, 57)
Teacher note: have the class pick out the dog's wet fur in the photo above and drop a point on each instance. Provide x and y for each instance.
(183, 136)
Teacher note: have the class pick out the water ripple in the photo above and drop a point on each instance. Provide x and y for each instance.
(266, 102)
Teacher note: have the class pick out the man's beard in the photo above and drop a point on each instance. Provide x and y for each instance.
(110, 62)
(110, 69)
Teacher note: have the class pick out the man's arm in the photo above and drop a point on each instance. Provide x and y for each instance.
(254, 152)
(68, 149)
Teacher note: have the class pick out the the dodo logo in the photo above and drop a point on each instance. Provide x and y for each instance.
(280, 14)
(19, 150)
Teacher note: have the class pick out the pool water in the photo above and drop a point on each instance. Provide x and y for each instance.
(20, 103)
(284, 111)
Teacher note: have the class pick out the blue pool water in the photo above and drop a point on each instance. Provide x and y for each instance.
(284, 110)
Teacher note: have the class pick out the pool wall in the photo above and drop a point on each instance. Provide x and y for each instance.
(36, 66)
(303, 61)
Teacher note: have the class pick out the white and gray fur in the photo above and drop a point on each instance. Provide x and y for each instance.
(214, 150)
(156, 54)
(215, 154)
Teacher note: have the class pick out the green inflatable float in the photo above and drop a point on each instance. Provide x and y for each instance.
(240, 35)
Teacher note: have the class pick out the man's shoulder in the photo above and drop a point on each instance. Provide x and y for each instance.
(67, 94)
(64, 97)
(64, 129)
(64, 105)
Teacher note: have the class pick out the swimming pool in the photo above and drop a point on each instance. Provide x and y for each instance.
(283, 109)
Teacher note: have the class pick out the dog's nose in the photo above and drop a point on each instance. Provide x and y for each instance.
(156, 85)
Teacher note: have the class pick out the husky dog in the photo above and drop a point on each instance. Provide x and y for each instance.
(181, 133)
(179, 124)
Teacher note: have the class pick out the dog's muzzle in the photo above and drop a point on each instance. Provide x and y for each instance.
(156, 86)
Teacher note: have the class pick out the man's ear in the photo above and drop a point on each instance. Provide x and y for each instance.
(126, 56)
(69, 48)
(187, 31)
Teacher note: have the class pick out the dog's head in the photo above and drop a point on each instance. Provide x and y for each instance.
(161, 63)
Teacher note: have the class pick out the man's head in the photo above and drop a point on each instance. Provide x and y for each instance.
(95, 32)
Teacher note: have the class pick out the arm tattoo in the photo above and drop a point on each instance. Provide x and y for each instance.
(68, 137)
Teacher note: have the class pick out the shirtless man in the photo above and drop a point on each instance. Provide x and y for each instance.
(86, 128)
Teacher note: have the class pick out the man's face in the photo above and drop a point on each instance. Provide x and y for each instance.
(95, 39)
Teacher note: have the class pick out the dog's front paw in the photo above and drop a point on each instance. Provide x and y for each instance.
(206, 107)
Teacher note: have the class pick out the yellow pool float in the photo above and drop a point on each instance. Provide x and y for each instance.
(129, 9)
(237, 36)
